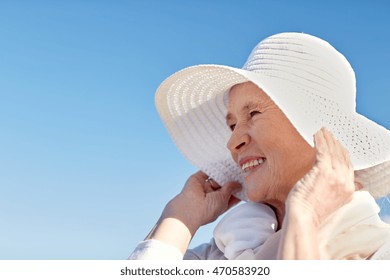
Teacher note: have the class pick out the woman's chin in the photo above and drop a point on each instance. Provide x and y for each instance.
(253, 191)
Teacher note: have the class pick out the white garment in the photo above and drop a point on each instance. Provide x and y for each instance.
(243, 230)
(152, 249)
(354, 231)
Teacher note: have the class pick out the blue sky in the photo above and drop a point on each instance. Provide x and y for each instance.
(86, 165)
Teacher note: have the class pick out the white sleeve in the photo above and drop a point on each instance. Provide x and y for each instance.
(152, 249)
(206, 251)
(383, 253)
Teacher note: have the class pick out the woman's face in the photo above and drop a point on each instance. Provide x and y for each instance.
(269, 150)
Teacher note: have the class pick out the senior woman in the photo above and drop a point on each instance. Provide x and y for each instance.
(283, 135)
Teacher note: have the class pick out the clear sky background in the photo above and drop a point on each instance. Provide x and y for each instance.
(86, 165)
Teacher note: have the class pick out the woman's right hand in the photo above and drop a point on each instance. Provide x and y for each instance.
(201, 201)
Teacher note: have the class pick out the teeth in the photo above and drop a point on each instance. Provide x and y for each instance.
(246, 166)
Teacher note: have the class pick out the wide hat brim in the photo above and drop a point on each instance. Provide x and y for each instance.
(192, 105)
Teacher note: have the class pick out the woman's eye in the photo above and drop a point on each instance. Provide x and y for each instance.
(253, 113)
(232, 126)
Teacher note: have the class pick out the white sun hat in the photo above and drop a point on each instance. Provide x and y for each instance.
(311, 82)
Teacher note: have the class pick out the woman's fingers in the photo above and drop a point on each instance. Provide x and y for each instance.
(327, 141)
(322, 148)
(331, 150)
(203, 199)
(210, 185)
(330, 183)
(228, 190)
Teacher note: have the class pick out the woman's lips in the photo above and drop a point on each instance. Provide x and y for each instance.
(248, 165)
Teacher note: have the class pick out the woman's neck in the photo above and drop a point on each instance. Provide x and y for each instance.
(279, 210)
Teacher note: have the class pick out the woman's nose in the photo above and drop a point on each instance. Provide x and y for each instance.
(238, 139)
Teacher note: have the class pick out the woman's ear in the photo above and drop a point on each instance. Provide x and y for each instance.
(358, 186)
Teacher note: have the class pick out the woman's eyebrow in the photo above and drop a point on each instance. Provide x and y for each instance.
(247, 106)
(250, 105)
(228, 117)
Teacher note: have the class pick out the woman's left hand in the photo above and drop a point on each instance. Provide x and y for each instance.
(328, 185)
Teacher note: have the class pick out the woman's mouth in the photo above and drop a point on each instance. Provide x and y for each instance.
(249, 165)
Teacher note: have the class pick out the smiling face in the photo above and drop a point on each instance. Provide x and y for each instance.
(270, 151)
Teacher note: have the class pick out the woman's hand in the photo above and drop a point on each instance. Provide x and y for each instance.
(201, 201)
(328, 185)
(324, 189)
